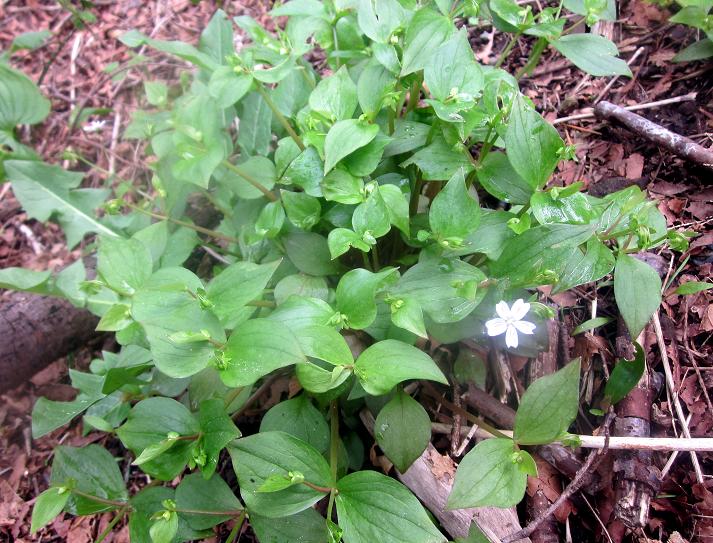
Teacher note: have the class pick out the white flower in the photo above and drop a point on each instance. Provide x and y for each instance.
(94, 126)
(509, 322)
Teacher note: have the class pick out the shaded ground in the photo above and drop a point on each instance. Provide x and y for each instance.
(74, 64)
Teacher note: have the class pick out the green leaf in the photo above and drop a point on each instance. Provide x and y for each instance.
(424, 34)
(47, 506)
(22, 279)
(124, 264)
(372, 216)
(539, 254)
(309, 252)
(307, 526)
(594, 54)
(256, 348)
(373, 507)
(591, 324)
(20, 100)
(218, 430)
(335, 96)
(149, 423)
(344, 138)
(580, 268)
(254, 134)
(237, 285)
(301, 284)
(116, 318)
(164, 306)
(154, 450)
(317, 379)
(452, 70)
(180, 49)
(91, 470)
(637, 289)
(340, 186)
(303, 210)
(259, 456)
(378, 19)
(306, 171)
(47, 191)
(699, 50)
(500, 179)
(532, 143)
(548, 407)
(390, 362)
(397, 207)
(446, 289)
(228, 87)
(689, 287)
(356, 294)
(340, 240)
(48, 415)
(146, 504)
(156, 92)
(217, 37)
(375, 84)
(625, 376)
(490, 475)
(407, 136)
(200, 494)
(402, 430)
(299, 418)
(260, 169)
(324, 343)
(30, 40)
(164, 529)
(454, 212)
(406, 313)
(439, 161)
(299, 312)
(572, 209)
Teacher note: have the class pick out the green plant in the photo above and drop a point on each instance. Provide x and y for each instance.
(696, 14)
(349, 208)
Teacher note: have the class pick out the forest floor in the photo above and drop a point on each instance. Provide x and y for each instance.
(73, 68)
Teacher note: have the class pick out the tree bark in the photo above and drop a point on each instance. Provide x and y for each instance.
(35, 331)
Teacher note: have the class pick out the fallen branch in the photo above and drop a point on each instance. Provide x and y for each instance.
(700, 444)
(430, 478)
(680, 145)
(589, 112)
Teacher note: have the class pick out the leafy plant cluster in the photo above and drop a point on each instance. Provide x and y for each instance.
(397, 196)
(696, 14)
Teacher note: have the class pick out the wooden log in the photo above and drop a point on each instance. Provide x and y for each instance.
(36, 331)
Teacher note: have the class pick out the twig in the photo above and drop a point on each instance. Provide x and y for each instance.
(672, 389)
(590, 464)
(680, 145)
(701, 444)
(615, 79)
(589, 112)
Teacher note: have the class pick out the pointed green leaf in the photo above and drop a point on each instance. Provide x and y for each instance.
(402, 430)
(344, 138)
(356, 293)
(637, 289)
(197, 493)
(47, 506)
(454, 212)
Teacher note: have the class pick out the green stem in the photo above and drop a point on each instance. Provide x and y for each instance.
(415, 93)
(160, 217)
(119, 515)
(365, 259)
(262, 303)
(317, 487)
(507, 50)
(575, 25)
(415, 194)
(236, 529)
(487, 146)
(336, 45)
(250, 179)
(533, 59)
(280, 117)
(115, 503)
(375, 258)
(333, 451)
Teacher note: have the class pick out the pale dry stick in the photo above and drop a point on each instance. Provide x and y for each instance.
(589, 113)
(672, 458)
(693, 444)
(674, 395)
(596, 516)
(114, 139)
(606, 89)
(468, 437)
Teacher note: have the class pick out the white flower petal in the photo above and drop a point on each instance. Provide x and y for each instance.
(511, 337)
(503, 310)
(524, 327)
(519, 309)
(496, 326)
